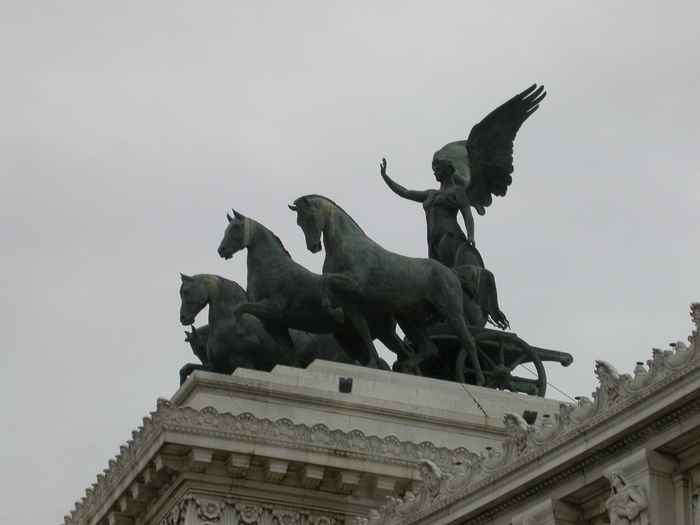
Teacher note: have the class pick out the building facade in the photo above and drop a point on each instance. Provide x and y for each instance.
(336, 444)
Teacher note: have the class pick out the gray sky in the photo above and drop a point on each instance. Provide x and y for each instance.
(129, 129)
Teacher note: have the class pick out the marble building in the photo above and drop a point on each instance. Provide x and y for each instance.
(336, 444)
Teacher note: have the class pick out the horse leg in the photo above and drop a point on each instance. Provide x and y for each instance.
(447, 298)
(263, 310)
(385, 329)
(283, 341)
(238, 360)
(341, 282)
(352, 344)
(327, 297)
(186, 370)
(417, 334)
(358, 321)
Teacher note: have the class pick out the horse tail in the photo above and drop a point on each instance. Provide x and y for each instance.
(480, 285)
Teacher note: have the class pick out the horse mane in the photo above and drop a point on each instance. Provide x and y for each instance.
(277, 239)
(314, 196)
(222, 281)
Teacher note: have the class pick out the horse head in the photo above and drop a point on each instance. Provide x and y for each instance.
(194, 295)
(236, 236)
(311, 220)
(197, 339)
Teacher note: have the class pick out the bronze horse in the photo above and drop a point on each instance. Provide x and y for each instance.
(360, 273)
(283, 295)
(229, 342)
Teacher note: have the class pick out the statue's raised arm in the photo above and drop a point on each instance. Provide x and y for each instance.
(470, 172)
(413, 195)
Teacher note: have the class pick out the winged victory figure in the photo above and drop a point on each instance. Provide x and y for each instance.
(470, 173)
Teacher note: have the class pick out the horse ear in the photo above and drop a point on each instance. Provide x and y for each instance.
(194, 330)
(299, 202)
(230, 219)
(237, 215)
(185, 278)
(292, 207)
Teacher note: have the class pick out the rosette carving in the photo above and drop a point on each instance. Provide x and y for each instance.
(209, 510)
(249, 514)
(284, 517)
(321, 520)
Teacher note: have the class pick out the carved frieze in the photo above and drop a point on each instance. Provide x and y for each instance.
(244, 427)
(206, 509)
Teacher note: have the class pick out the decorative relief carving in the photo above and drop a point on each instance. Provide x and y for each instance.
(321, 520)
(208, 510)
(469, 468)
(627, 504)
(177, 515)
(552, 433)
(695, 499)
(247, 426)
(249, 514)
(285, 517)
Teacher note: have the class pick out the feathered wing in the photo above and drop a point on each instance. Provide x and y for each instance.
(490, 147)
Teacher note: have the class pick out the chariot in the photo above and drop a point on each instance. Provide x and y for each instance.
(503, 357)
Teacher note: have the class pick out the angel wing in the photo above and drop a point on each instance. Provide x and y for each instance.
(490, 147)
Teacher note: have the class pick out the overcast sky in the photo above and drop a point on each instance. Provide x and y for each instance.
(129, 129)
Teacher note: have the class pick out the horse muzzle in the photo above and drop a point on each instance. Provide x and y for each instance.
(314, 247)
(225, 253)
(186, 320)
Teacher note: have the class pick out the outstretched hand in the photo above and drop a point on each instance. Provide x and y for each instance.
(382, 167)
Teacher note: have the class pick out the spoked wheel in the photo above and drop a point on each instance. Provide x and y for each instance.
(500, 353)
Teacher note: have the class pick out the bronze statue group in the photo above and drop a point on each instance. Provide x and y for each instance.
(289, 315)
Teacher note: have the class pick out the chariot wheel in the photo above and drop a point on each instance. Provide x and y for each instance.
(500, 353)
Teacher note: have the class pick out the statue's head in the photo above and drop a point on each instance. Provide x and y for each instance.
(194, 297)
(235, 236)
(618, 480)
(311, 221)
(452, 159)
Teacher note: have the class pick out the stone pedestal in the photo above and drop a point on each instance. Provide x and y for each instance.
(294, 447)
(326, 445)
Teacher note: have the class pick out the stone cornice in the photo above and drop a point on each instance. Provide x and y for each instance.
(612, 450)
(610, 421)
(247, 427)
(454, 478)
(285, 433)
